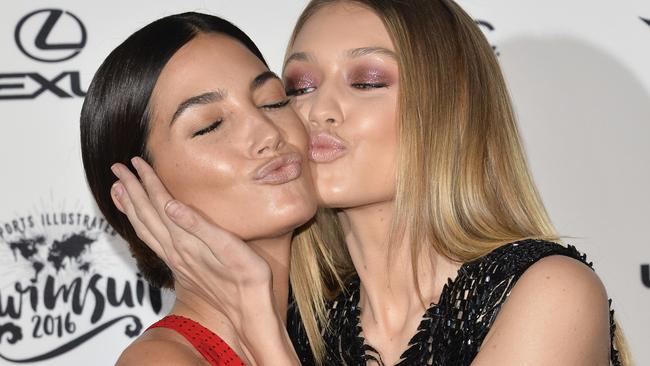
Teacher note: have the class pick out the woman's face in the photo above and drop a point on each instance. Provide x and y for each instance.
(224, 140)
(342, 70)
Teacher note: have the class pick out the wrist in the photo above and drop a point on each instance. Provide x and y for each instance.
(265, 338)
(267, 343)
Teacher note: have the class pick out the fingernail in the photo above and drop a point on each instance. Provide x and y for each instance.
(172, 207)
(115, 170)
(118, 190)
(135, 162)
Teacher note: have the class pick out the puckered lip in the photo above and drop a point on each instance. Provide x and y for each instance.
(280, 169)
(325, 147)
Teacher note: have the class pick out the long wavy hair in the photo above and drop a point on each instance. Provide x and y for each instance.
(473, 190)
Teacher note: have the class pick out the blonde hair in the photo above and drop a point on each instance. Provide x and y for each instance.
(473, 191)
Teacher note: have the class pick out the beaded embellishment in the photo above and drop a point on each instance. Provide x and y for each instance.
(451, 331)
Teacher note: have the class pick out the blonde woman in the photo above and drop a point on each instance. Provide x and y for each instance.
(436, 248)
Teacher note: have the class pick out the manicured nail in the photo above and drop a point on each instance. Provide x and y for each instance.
(118, 190)
(115, 169)
(135, 162)
(172, 208)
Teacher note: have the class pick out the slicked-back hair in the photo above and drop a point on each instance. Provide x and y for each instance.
(115, 115)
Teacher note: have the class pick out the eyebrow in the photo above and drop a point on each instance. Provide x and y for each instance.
(201, 99)
(219, 95)
(299, 56)
(351, 53)
(262, 78)
(364, 51)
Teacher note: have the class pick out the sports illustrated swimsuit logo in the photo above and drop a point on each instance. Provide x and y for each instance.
(36, 29)
(51, 36)
(62, 284)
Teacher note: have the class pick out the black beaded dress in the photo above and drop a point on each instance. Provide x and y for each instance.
(451, 331)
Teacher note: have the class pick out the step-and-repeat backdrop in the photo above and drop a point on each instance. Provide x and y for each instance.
(579, 73)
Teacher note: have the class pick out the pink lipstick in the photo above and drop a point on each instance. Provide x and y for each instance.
(279, 170)
(325, 148)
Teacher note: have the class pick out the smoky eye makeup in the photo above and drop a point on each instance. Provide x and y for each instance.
(371, 76)
(298, 82)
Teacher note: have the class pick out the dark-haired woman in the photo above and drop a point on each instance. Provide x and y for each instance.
(193, 95)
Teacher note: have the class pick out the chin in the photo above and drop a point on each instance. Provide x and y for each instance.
(349, 198)
(276, 225)
(282, 217)
(337, 196)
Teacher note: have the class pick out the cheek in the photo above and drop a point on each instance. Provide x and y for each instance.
(301, 107)
(206, 179)
(367, 174)
(216, 183)
(374, 141)
(294, 130)
(195, 170)
(371, 128)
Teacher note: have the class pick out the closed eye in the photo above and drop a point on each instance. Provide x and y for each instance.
(301, 91)
(213, 126)
(278, 105)
(369, 85)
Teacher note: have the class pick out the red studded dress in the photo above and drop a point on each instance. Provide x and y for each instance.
(210, 345)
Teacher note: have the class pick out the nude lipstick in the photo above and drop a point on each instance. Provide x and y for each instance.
(279, 170)
(325, 148)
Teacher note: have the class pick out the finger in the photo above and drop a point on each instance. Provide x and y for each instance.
(158, 194)
(182, 242)
(223, 244)
(122, 201)
(117, 190)
(189, 247)
(142, 207)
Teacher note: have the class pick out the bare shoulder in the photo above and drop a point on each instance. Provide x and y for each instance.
(159, 348)
(557, 314)
(562, 277)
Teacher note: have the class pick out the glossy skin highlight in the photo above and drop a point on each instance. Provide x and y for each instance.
(211, 155)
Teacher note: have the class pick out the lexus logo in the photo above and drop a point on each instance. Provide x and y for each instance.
(50, 35)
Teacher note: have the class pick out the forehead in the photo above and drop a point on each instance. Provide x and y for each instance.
(208, 62)
(342, 26)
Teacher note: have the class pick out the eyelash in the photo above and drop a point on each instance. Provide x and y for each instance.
(362, 86)
(208, 129)
(299, 92)
(369, 85)
(214, 125)
(277, 105)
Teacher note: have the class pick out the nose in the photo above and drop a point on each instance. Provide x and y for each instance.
(325, 110)
(267, 138)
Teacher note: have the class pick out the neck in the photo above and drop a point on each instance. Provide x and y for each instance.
(276, 252)
(389, 295)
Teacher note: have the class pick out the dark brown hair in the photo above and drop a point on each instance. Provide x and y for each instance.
(115, 115)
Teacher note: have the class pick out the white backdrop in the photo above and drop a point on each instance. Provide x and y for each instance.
(69, 293)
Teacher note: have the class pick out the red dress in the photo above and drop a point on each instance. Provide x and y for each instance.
(210, 345)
